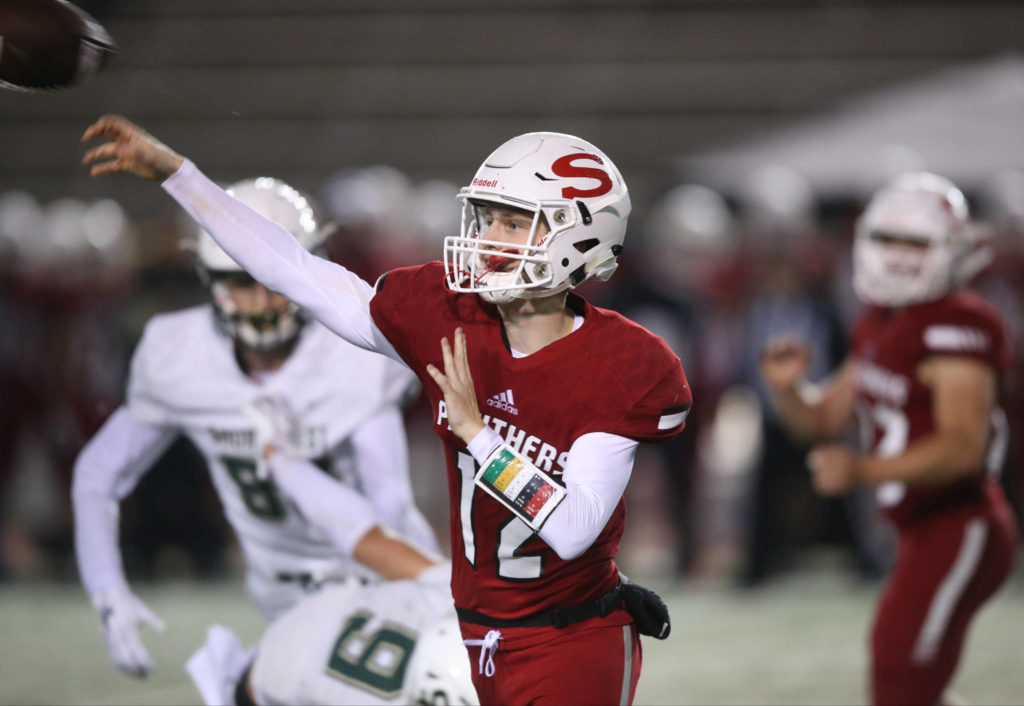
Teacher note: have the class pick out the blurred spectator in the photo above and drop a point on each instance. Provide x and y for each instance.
(61, 370)
(21, 220)
(72, 277)
(793, 262)
(366, 206)
(681, 283)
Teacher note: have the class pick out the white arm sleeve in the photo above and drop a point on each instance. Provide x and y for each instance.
(336, 297)
(341, 513)
(106, 471)
(596, 473)
(382, 460)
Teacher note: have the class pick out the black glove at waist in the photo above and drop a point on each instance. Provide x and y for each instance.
(649, 612)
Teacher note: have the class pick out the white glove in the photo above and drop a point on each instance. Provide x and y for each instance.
(276, 423)
(121, 612)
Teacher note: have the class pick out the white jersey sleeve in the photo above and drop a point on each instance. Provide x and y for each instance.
(106, 471)
(382, 460)
(341, 513)
(596, 473)
(145, 397)
(336, 297)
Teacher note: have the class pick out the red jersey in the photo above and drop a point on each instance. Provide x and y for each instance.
(610, 375)
(896, 408)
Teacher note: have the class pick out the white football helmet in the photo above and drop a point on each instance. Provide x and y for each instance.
(916, 206)
(776, 199)
(567, 184)
(692, 241)
(268, 329)
(691, 218)
(439, 669)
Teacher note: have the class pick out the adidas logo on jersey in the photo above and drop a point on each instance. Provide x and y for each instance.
(503, 401)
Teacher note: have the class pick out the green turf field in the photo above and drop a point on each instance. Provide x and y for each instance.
(798, 642)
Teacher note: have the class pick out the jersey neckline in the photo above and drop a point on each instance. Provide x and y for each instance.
(577, 304)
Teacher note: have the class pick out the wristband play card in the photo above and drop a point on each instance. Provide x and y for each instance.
(520, 486)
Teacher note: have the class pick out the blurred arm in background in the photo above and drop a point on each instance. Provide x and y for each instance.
(106, 471)
(811, 412)
(382, 457)
(336, 297)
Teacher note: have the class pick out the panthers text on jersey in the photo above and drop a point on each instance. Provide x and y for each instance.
(184, 376)
(610, 375)
(895, 407)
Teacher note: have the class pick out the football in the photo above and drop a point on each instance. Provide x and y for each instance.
(50, 45)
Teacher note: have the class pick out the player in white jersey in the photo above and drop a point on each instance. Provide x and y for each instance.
(193, 373)
(389, 642)
(383, 643)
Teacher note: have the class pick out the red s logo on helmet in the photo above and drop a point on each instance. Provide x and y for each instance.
(564, 167)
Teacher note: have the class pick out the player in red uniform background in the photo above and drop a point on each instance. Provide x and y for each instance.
(540, 399)
(923, 378)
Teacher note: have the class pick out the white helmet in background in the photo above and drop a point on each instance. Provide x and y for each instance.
(691, 241)
(916, 206)
(21, 222)
(439, 669)
(268, 329)
(83, 242)
(692, 218)
(777, 201)
(567, 184)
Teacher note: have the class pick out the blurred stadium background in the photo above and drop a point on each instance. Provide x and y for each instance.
(750, 133)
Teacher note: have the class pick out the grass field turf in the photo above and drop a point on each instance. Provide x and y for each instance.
(800, 641)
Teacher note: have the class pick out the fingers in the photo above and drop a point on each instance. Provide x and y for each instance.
(440, 378)
(126, 649)
(150, 618)
(110, 157)
(123, 641)
(108, 150)
(446, 355)
(462, 357)
(139, 662)
(456, 376)
(443, 380)
(109, 125)
(455, 366)
(107, 168)
(833, 469)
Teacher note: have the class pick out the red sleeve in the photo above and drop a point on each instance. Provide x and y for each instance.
(404, 305)
(660, 413)
(386, 307)
(973, 332)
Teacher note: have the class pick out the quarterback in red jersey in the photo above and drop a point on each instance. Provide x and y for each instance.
(540, 399)
(923, 378)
